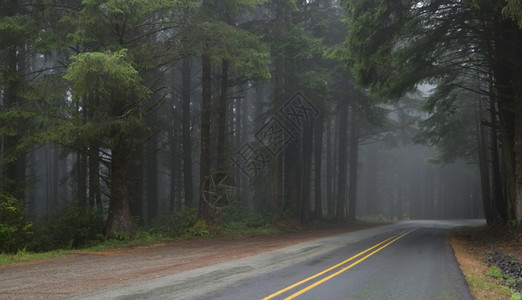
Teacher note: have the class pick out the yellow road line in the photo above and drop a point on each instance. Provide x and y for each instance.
(327, 270)
(348, 267)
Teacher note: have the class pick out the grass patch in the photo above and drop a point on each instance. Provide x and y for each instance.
(240, 230)
(496, 273)
(484, 287)
(26, 256)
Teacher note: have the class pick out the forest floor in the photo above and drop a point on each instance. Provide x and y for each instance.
(83, 272)
(490, 258)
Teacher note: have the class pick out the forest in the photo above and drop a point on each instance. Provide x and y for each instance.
(184, 116)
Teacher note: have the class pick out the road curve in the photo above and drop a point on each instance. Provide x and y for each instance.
(405, 260)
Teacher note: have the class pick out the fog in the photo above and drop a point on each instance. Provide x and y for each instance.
(218, 112)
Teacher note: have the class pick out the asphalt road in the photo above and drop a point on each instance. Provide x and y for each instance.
(406, 260)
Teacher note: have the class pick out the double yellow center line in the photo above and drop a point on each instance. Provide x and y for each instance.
(378, 247)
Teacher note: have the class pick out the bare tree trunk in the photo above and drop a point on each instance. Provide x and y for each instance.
(222, 119)
(372, 162)
(497, 189)
(398, 208)
(330, 173)
(135, 186)
(13, 181)
(306, 171)
(186, 131)
(518, 151)
(318, 159)
(205, 155)
(278, 93)
(119, 220)
(173, 165)
(354, 158)
(152, 179)
(81, 174)
(341, 185)
(94, 177)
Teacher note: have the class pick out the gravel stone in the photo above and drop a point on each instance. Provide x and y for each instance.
(509, 266)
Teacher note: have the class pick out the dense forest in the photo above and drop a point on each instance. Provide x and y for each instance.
(116, 114)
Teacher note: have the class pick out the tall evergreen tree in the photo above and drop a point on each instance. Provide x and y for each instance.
(394, 45)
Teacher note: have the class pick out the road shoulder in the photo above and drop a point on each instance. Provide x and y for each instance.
(86, 272)
(471, 245)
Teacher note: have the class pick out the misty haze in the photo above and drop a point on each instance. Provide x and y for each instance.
(260, 149)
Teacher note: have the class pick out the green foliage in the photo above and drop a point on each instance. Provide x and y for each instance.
(200, 229)
(68, 228)
(221, 41)
(14, 230)
(505, 281)
(450, 127)
(25, 256)
(174, 225)
(104, 74)
(478, 283)
(513, 10)
(110, 89)
(236, 222)
(121, 236)
(513, 224)
(495, 272)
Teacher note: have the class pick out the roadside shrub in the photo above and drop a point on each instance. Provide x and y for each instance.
(175, 224)
(14, 231)
(200, 229)
(235, 215)
(70, 227)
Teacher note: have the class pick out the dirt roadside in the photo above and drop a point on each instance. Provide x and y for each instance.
(472, 246)
(85, 272)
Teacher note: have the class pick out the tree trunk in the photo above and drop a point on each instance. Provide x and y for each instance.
(399, 193)
(318, 159)
(151, 178)
(508, 40)
(330, 173)
(222, 119)
(13, 179)
(174, 164)
(186, 131)
(81, 174)
(205, 155)
(94, 177)
(496, 187)
(278, 94)
(119, 220)
(135, 186)
(341, 185)
(306, 171)
(489, 208)
(354, 158)
(518, 150)
(372, 162)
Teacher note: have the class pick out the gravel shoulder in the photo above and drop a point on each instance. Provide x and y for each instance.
(85, 272)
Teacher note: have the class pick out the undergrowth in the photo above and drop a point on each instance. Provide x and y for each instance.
(71, 229)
